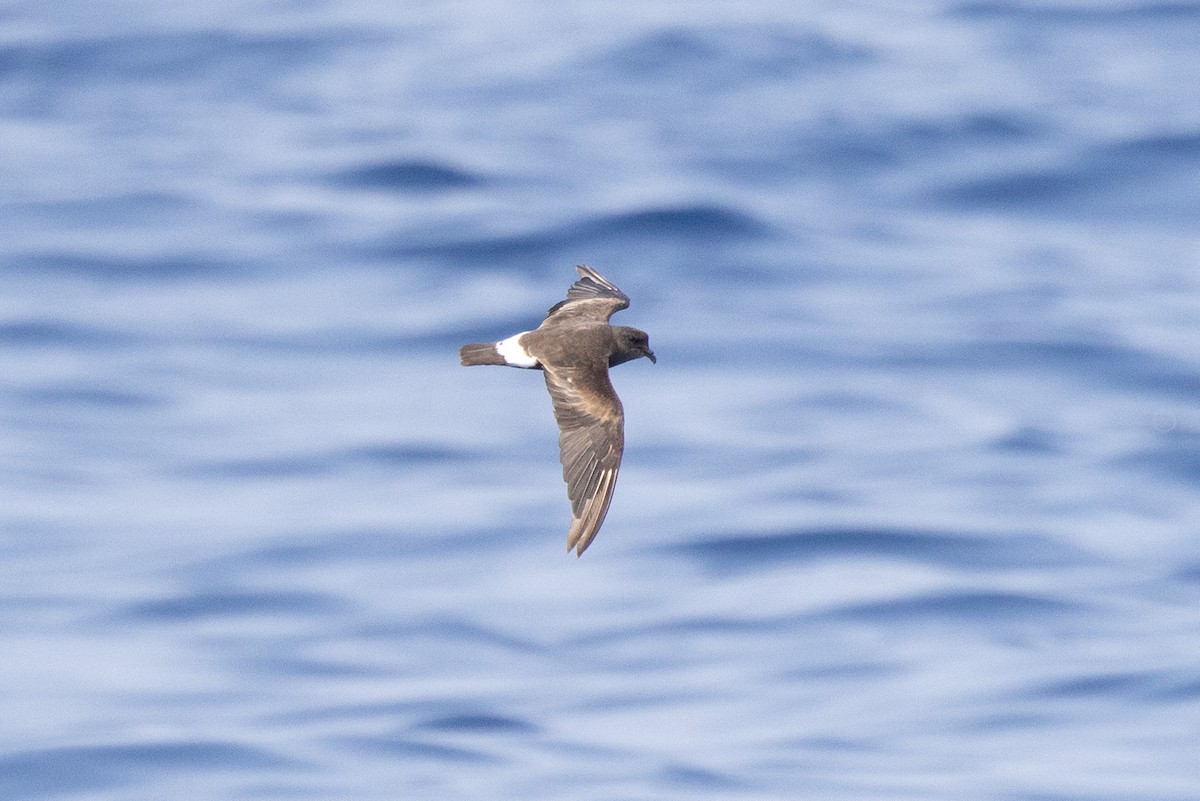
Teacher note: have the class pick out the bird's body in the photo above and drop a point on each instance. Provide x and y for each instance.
(574, 347)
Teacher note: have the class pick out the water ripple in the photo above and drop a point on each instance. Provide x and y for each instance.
(965, 608)
(477, 722)
(407, 176)
(101, 397)
(701, 223)
(39, 333)
(208, 604)
(727, 55)
(402, 747)
(56, 771)
(1091, 14)
(755, 551)
(155, 56)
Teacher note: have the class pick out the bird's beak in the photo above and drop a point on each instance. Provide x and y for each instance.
(650, 356)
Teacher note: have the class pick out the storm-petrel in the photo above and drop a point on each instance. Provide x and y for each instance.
(574, 346)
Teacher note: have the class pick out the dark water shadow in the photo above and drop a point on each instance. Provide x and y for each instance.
(696, 223)
(960, 607)
(51, 772)
(405, 176)
(754, 551)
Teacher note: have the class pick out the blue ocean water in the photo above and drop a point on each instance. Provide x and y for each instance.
(910, 502)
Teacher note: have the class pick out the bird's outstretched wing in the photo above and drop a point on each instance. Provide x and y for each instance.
(591, 440)
(593, 298)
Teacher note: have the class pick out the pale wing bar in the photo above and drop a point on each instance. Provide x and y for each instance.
(591, 441)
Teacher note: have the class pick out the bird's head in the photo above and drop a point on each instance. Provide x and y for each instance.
(632, 343)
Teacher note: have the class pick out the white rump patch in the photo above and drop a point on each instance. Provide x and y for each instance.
(513, 354)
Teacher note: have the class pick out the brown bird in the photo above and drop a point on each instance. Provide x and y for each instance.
(574, 347)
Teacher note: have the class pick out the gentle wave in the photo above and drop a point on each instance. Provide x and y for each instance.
(699, 222)
(53, 772)
(975, 552)
(908, 503)
(408, 176)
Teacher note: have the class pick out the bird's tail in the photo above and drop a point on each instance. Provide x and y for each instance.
(481, 353)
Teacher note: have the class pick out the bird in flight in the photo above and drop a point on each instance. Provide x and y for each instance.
(574, 347)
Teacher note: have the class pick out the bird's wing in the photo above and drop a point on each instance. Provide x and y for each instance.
(593, 297)
(591, 440)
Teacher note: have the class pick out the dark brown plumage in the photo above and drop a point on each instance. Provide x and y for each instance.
(574, 346)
